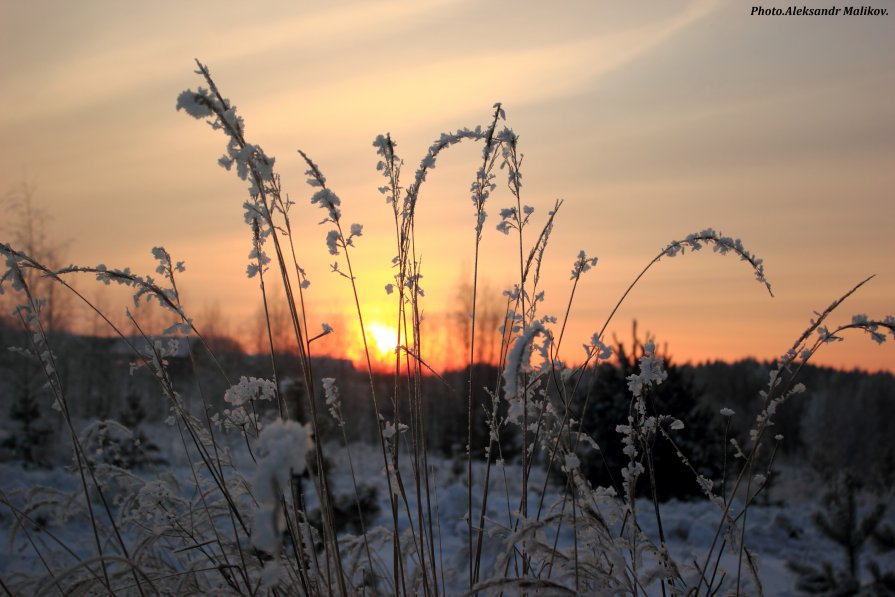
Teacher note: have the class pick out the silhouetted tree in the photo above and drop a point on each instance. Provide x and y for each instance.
(609, 400)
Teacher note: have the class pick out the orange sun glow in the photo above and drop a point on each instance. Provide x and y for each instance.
(382, 340)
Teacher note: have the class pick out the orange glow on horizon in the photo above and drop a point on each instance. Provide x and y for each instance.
(618, 111)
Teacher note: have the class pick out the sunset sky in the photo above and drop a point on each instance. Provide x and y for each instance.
(651, 119)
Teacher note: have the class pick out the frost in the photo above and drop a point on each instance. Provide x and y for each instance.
(651, 371)
(632, 471)
(183, 328)
(250, 388)
(582, 264)
(389, 429)
(241, 396)
(195, 104)
(333, 400)
(282, 448)
(517, 360)
(332, 242)
(889, 321)
(21, 351)
(720, 244)
(597, 348)
(259, 261)
(329, 201)
(162, 256)
(705, 484)
(273, 573)
(392, 476)
(571, 463)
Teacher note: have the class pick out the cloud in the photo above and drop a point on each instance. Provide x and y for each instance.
(126, 56)
(468, 79)
(126, 53)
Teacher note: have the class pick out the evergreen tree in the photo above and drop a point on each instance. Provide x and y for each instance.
(34, 433)
(840, 522)
(608, 403)
(27, 410)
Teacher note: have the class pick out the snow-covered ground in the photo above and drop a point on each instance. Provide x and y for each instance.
(776, 533)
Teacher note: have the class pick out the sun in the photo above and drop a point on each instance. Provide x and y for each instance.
(383, 340)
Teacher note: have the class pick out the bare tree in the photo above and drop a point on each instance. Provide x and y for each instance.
(489, 318)
(25, 228)
(217, 329)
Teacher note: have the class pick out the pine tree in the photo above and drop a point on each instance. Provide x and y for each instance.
(701, 440)
(840, 522)
(27, 410)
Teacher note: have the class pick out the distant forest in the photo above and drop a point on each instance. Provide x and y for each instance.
(844, 420)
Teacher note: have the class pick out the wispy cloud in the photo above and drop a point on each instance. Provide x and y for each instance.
(465, 79)
(97, 70)
(95, 66)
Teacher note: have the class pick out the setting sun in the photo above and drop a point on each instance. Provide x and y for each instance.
(382, 340)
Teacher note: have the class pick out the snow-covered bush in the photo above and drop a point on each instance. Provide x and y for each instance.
(109, 442)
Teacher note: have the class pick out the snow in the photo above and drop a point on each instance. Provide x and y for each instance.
(282, 448)
(775, 533)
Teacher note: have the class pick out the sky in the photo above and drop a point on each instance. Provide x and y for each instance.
(651, 120)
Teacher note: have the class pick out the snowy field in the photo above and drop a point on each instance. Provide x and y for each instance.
(776, 533)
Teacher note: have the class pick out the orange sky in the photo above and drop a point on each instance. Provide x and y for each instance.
(650, 119)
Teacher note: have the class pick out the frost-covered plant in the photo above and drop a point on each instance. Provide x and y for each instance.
(242, 398)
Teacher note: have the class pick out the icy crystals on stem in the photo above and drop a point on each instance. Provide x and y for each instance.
(333, 400)
(720, 244)
(582, 264)
(651, 371)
